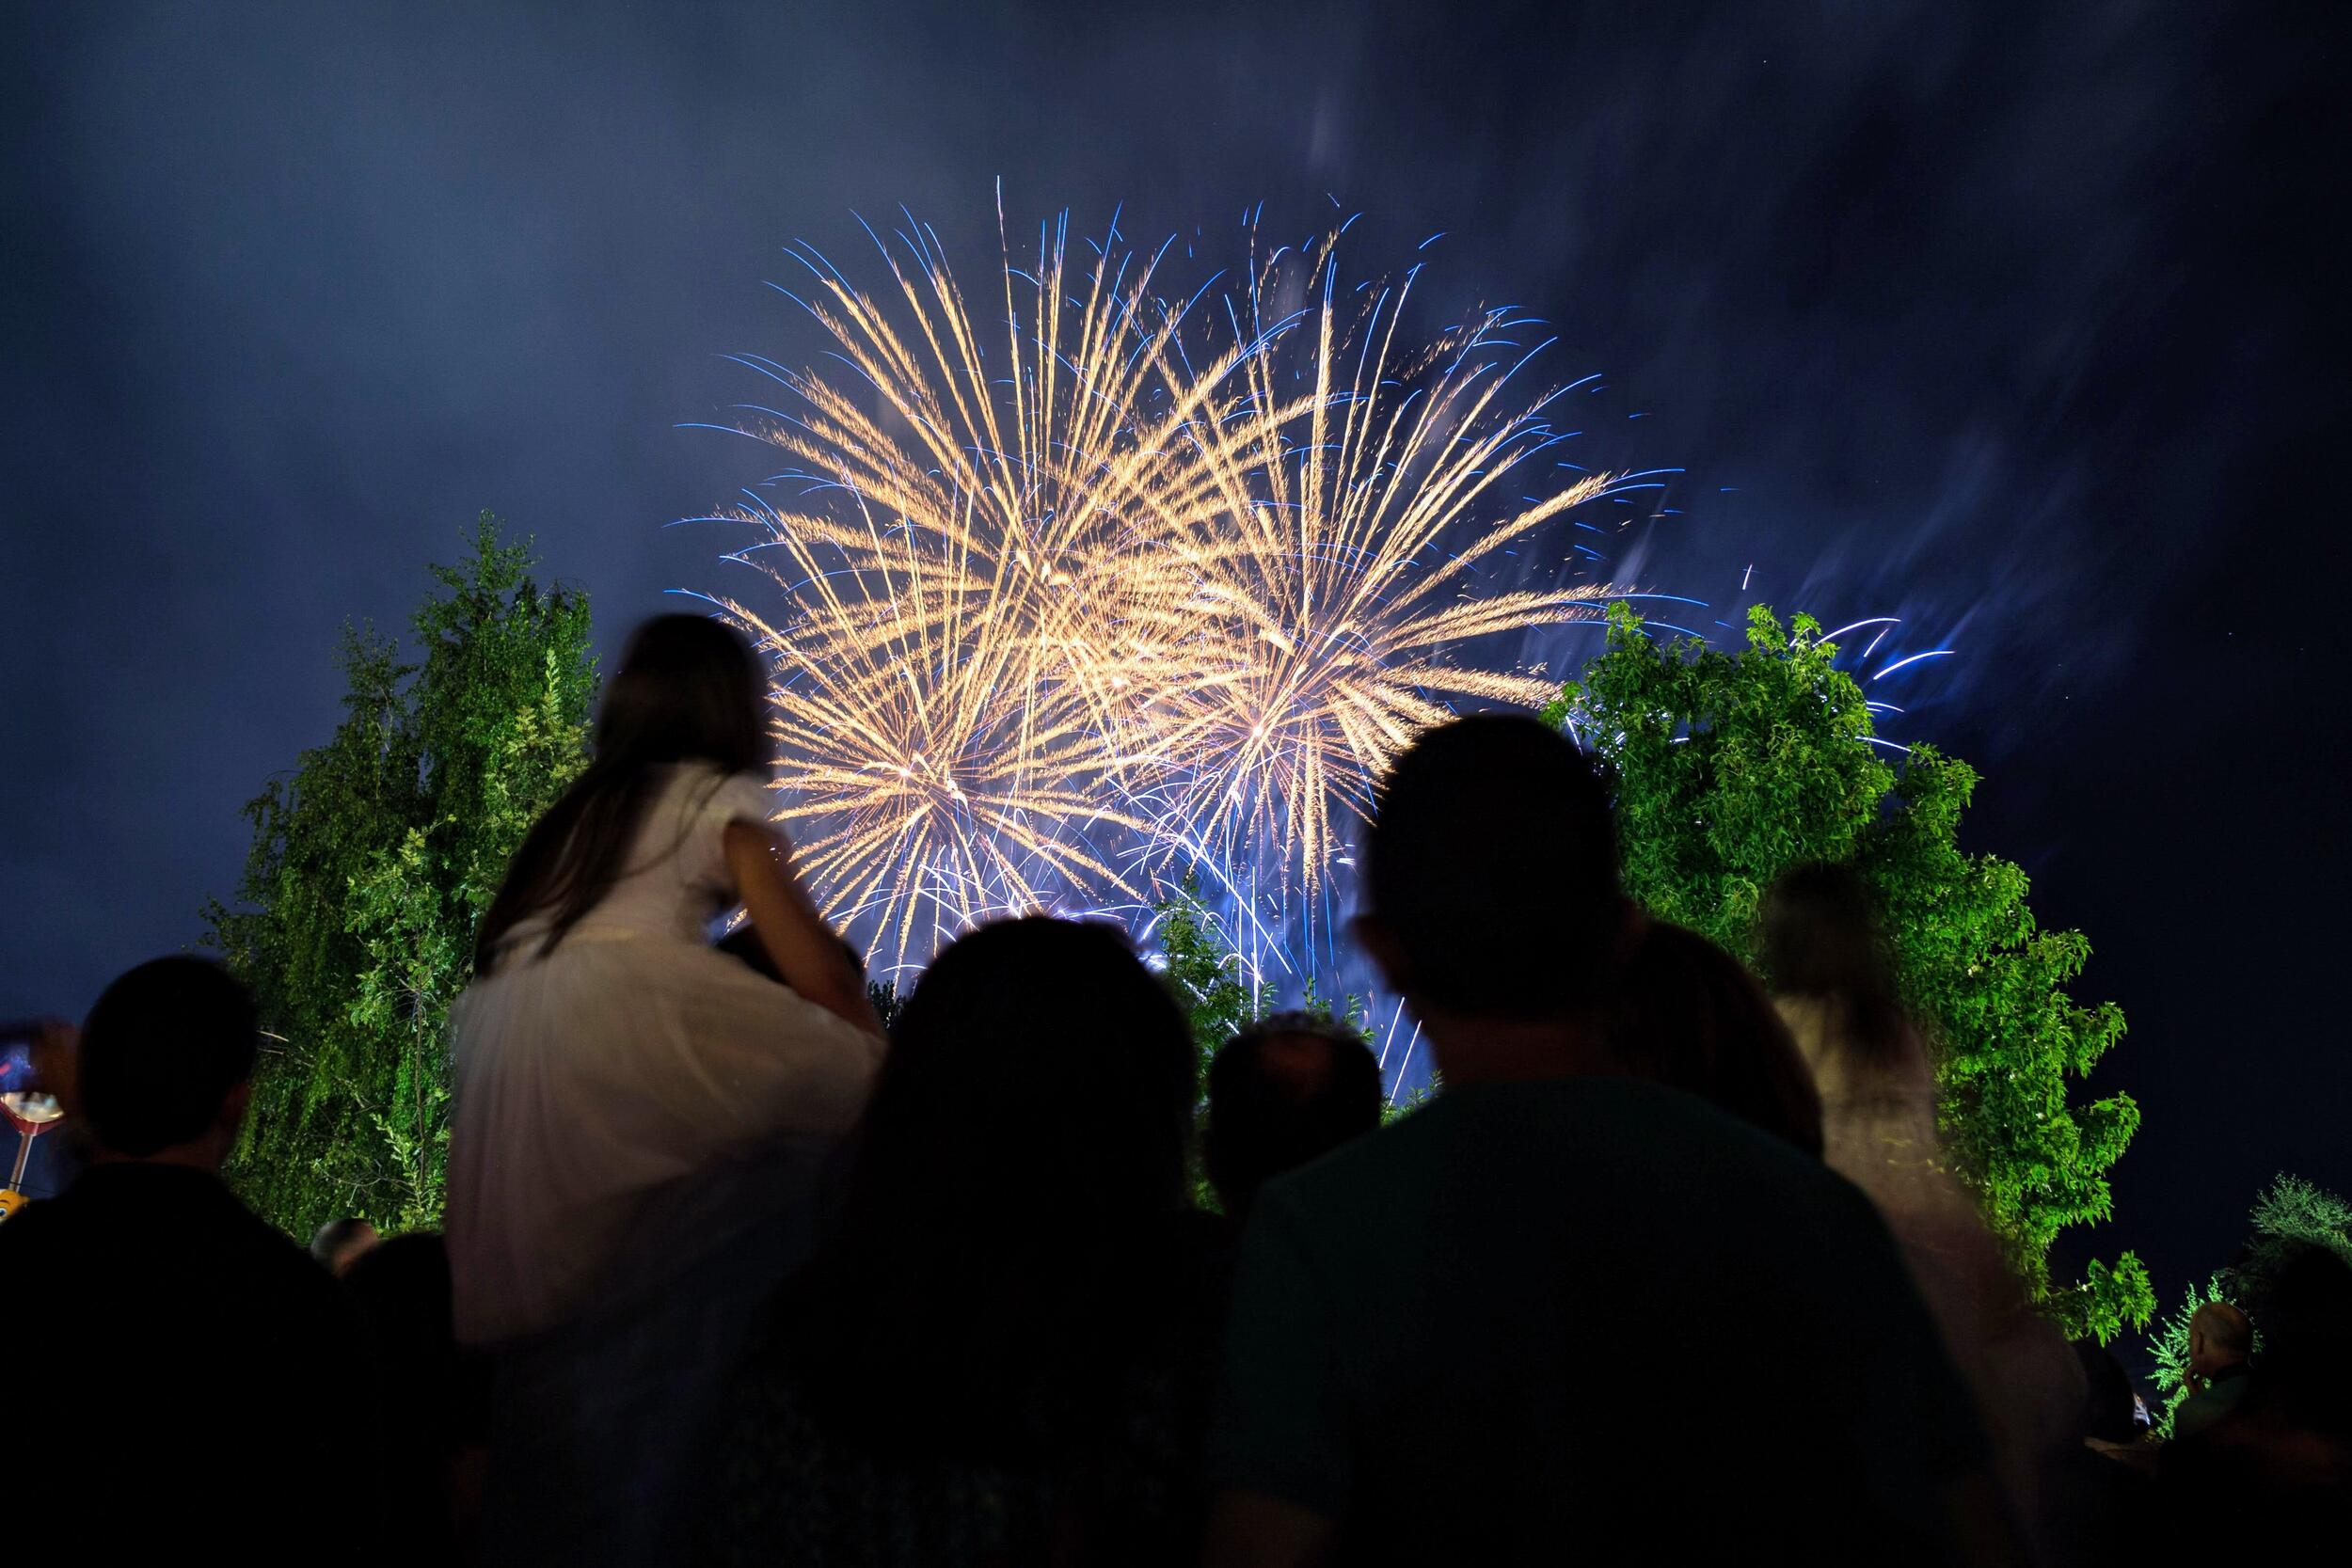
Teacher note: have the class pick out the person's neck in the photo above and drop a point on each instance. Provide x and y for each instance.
(1474, 1050)
(199, 1156)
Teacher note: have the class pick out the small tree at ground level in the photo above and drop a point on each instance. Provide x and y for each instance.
(883, 995)
(2289, 1214)
(1204, 970)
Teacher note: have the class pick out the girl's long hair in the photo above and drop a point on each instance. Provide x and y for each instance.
(1821, 939)
(1002, 1249)
(1684, 1013)
(687, 691)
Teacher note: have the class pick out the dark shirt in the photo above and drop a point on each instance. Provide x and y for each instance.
(2219, 1396)
(601, 1426)
(1585, 1320)
(1102, 1469)
(2270, 1480)
(200, 1379)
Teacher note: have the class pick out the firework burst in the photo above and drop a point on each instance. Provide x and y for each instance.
(1324, 604)
(1094, 585)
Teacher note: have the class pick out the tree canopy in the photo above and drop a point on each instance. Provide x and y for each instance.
(1732, 767)
(1206, 972)
(371, 864)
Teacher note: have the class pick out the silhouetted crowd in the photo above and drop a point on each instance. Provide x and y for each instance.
(1669, 1268)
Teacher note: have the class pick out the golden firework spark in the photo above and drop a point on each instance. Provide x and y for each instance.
(1327, 603)
(1110, 587)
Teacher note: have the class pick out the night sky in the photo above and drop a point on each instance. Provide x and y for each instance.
(2015, 320)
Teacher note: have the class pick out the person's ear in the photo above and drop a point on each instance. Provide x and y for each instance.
(232, 1108)
(1386, 954)
(1633, 926)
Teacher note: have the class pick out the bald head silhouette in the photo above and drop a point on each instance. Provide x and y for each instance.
(2219, 1337)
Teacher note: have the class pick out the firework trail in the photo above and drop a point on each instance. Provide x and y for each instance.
(1092, 585)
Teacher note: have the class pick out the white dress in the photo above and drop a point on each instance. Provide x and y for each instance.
(1878, 1131)
(633, 1055)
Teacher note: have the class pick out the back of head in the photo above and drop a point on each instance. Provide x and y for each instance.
(1821, 939)
(1687, 1014)
(687, 691)
(2224, 1328)
(2306, 1361)
(338, 1243)
(1286, 1090)
(1024, 1145)
(2110, 1407)
(1492, 870)
(161, 1054)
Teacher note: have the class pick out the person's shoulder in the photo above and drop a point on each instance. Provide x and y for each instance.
(1568, 1114)
(197, 1223)
(35, 1229)
(1394, 1156)
(1808, 1022)
(688, 784)
(1481, 1117)
(702, 792)
(1617, 1125)
(1670, 1124)
(747, 794)
(307, 1303)
(698, 778)
(262, 1252)
(1675, 1146)
(262, 1246)
(1720, 1157)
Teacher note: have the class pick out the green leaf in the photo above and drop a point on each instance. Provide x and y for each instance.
(1730, 767)
(371, 863)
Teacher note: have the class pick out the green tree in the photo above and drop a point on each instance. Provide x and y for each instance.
(1203, 967)
(370, 867)
(1730, 767)
(886, 1002)
(2291, 1213)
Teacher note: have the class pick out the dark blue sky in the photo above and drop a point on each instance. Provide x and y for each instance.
(2012, 318)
